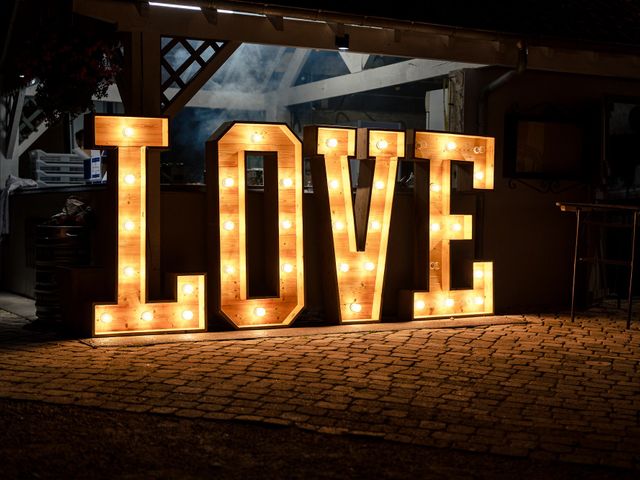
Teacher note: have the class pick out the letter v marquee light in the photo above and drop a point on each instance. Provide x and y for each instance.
(132, 312)
(440, 149)
(359, 273)
(226, 153)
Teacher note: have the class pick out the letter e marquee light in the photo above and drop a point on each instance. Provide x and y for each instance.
(226, 176)
(132, 313)
(440, 149)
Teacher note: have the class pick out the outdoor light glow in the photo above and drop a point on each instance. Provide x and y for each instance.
(435, 187)
(449, 302)
(456, 227)
(479, 175)
(451, 146)
(231, 147)
(382, 144)
(478, 300)
(174, 5)
(359, 249)
(419, 305)
(435, 227)
(287, 268)
(133, 136)
(478, 273)
(355, 307)
(187, 315)
(228, 182)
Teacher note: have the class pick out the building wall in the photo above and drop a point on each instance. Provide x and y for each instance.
(523, 231)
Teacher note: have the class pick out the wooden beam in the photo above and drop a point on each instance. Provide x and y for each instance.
(195, 84)
(389, 75)
(416, 40)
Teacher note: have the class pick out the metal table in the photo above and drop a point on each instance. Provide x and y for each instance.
(579, 209)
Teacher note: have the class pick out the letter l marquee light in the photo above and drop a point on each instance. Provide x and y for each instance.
(133, 313)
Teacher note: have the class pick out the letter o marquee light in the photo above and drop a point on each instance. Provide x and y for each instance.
(132, 313)
(230, 148)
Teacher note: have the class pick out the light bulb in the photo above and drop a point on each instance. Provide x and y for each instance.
(129, 271)
(419, 305)
(477, 150)
(147, 316)
(435, 227)
(331, 142)
(449, 302)
(129, 225)
(382, 144)
(227, 182)
(379, 185)
(106, 318)
(229, 270)
(478, 273)
(127, 132)
(344, 267)
(286, 182)
(257, 137)
(338, 225)
(229, 225)
(286, 224)
(187, 315)
(479, 175)
(478, 300)
(129, 179)
(259, 312)
(188, 289)
(369, 266)
(456, 227)
(287, 268)
(355, 307)
(334, 184)
(451, 146)
(375, 225)
(435, 187)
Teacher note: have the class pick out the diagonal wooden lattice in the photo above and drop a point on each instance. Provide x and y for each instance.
(193, 57)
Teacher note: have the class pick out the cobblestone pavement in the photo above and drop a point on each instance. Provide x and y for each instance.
(547, 389)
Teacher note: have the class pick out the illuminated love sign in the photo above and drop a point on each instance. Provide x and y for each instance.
(358, 236)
